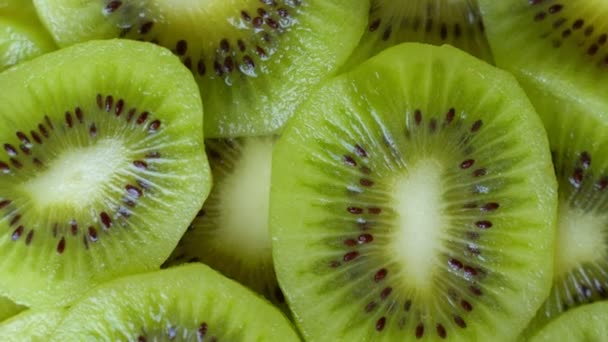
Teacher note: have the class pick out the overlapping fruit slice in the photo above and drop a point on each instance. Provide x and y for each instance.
(102, 167)
(414, 198)
(255, 60)
(185, 303)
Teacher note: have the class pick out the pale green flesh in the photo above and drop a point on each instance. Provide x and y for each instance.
(580, 239)
(454, 22)
(22, 36)
(31, 325)
(231, 232)
(358, 162)
(88, 195)
(253, 60)
(243, 201)
(566, 48)
(576, 125)
(584, 324)
(174, 303)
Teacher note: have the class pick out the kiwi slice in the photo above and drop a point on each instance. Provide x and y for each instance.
(578, 136)
(8, 308)
(584, 324)
(558, 61)
(31, 325)
(414, 198)
(102, 167)
(455, 22)
(231, 233)
(183, 303)
(565, 41)
(22, 36)
(254, 60)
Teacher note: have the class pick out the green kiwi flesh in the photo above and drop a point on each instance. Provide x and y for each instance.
(414, 198)
(184, 303)
(436, 22)
(231, 233)
(22, 36)
(8, 308)
(102, 167)
(560, 59)
(31, 325)
(578, 136)
(255, 60)
(563, 41)
(587, 323)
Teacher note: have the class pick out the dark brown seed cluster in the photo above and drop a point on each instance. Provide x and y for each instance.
(368, 218)
(240, 55)
(563, 27)
(25, 149)
(202, 334)
(584, 186)
(430, 23)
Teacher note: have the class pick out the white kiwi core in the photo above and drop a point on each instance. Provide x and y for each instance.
(76, 177)
(420, 222)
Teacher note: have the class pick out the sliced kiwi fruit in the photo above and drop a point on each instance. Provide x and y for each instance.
(231, 233)
(8, 308)
(254, 60)
(183, 303)
(584, 324)
(558, 59)
(564, 41)
(31, 325)
(22, 36)
(414, 198)
(578, 136)
(102, 167)
(455, 22)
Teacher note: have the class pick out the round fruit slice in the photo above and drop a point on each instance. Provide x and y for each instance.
(587, 323)
(101, 167)
(414, 198)
(184, 303)
(231, 232)
(255, 60)
(454, 22)
(31, 325)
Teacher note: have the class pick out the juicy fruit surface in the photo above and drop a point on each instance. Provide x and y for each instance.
(254, 62)
(185, 303)
(391, 22)
(560, 60)
(561, 40)
(584, 324)
(101, 169)
(31, 325)
(231, 232)
(577, 134)
(22, 36)
(414, 198)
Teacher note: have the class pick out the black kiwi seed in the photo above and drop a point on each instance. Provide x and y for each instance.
(105, 104)
(268, 20)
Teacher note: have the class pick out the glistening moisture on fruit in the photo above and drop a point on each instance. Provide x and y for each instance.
(255, 62)
(404, 201)
(102, 167)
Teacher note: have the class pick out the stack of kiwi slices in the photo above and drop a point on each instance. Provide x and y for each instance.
(303, 170)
